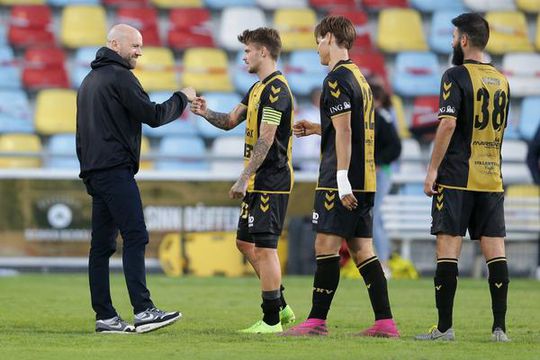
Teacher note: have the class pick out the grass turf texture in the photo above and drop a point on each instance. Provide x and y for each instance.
(49, 317)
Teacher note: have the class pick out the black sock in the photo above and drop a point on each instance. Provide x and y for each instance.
(270, 305)
(283, 302)
(373, 274)
(325, 284)
(498, 287)
(445, 289)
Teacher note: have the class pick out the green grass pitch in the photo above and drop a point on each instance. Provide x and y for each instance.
(49, 317)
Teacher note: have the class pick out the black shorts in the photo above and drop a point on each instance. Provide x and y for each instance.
(454, 211)
(261, 213)
(331, 217)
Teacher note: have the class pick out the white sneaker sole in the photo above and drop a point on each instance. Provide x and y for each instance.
(116, 332)
(141, 329)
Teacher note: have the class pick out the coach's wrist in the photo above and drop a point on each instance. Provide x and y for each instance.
(344, 186)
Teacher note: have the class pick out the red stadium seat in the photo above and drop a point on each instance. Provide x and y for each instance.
(383, 4)
(190, 28)
(332, 4)
(125, 3)
(31, 25)
(360, 20)
(144, 19)
(372, 64)
(44, 68)
(425, 117)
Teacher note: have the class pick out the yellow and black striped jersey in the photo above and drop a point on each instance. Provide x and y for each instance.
(478, 96)
(272, 99)
(346, 90)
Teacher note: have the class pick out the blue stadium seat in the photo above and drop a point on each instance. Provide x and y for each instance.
(411, 189)
(61, 152)
(305, 72)
(511, 132)
(530, 117)
(62, 3)
(3, 37)
(10, 75)
(221, 102)
(431, 6)
(416, 74)
(221, 4)
(15, 112)
(81, 64)
(186, 154)
(440, 35)
(180, 127)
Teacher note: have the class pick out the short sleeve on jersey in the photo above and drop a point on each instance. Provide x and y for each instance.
(336, 98)
(450, 96)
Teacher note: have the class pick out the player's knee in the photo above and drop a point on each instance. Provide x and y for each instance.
(266, 241)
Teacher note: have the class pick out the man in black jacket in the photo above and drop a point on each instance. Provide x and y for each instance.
(111, 106)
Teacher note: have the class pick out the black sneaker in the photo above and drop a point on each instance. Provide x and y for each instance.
(114, 325)
(153, 319)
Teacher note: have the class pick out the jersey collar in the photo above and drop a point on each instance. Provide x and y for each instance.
(275, 73)
(342, 62)
(469, 61)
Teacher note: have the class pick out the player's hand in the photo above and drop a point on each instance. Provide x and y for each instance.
(238, 190)
(304, 128)
(198, 106)
(430, 186)
(190, 93)
(349, 201)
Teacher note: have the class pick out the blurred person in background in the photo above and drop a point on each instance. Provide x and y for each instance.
(111, 107)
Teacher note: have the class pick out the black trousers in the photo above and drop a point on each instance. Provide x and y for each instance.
(116, 206)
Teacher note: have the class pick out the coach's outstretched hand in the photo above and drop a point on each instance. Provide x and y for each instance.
(305, 128)
(190, 93)
(198, 106)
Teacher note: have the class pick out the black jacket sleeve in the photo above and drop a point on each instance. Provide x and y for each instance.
(387, 141)
(139, 106)
(533, 157)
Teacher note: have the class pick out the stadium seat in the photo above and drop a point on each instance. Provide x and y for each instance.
(44, 68)
(511, 132)
(234, 20)
(62, 3)
(523, 73)
(296, 28)
(3, 36)
(305, 72)
(156, 69)
(10, 76)
(50, 118)
(231, 148)
(83, 26)
(15, 112)
(530, 6)
(399, 113)
(125, 3)
(169, 4)
(371, 63)
(508, 32)
(181, 153)
(425, 112)
(439, 5)
(537, 41)
(416, 74)
(10, 143)
(22, 2)
(331, 5)
(440, 35)
(281, 4)
(529, 120)
(81, 64)
(190, 28)
(61, 152)
(400, 30)
(514, 150)
(145, 164)
(221, 102)
(213, 253)
(206, 69)
(183, 126)
(411, 159)
(30, 26)
(489, 5)
(527, 191)
(222, 4)
(376, 5)
(360, 21)
(144, 19)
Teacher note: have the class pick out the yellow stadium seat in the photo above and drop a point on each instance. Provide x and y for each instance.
(527, 191)
(403, 127)
(20, 143)
(537, 43)
(168, 4)
(296, 28)
(56, 111)
(213, 253)
(145, 150)
(22, 2)
(532, 6)
(155, 69)
(508, 32)
(83, 26)
(206, 69)
(400, 30)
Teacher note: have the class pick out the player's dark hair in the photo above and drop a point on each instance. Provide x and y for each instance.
(475, 27)
(380, 94)
(339, 26)
(263, 36)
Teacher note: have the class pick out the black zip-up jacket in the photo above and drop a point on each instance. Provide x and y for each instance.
(387, 142)
(111, 107)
